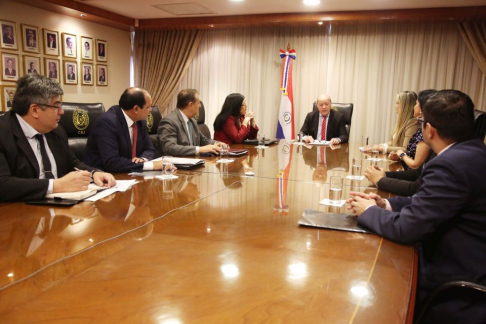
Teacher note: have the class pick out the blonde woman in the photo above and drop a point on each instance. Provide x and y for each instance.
(405, 127)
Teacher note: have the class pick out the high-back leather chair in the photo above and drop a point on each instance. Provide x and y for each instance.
(201, 117)
(153, 120)
(480, 123)
(344, 108)
(77, 121)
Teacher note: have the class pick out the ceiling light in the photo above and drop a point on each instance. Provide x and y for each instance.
(311, 2)
(237, 0)
(211, 26)
(83, 15)
(320, 23)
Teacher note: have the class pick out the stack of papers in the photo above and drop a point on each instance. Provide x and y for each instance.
(121, 185)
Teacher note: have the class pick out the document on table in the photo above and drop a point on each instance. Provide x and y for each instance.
(320, 143)
(121, 185)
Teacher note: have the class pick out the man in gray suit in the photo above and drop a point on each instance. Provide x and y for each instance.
(178, 133)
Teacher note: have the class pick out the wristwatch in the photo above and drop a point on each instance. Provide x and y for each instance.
(402, 155)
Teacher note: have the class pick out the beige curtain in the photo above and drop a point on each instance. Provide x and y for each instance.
(366, 64)
(474, 35)
(162, 59)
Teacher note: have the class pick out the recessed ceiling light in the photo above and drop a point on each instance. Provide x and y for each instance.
(83, 15)
(311, 2)
(320, 23)
(211, 26)
(237, 0)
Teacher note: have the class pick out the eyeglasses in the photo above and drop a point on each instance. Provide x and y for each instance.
(422, 122)
(58, 105)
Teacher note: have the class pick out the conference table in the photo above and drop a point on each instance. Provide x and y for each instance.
(213, 246)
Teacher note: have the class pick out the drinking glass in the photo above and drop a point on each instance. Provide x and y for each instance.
(261, 139)
(375, 154)
(167, 191)
(223, 154)
(356, 167)
(301, 137)
(167, 166)
(335, 190)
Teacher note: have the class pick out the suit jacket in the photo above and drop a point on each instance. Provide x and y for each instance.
(19, 170)
(102, 78)
(174, 138)
(52, 44)
(410, 129)
(13, 73)
(31, 71)
(87, 77)
(9, 104)
(403, 183)
(109, 146)
(335, 125)
(447, 216)
(8, 40)
(53, 75)
(231, 134)
(71, 76)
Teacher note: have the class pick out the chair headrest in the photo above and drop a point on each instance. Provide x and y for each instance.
(153, 120)
(78, 118)
(201, 116)
(344, 108)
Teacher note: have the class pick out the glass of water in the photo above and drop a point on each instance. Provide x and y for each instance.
(375, 154)
(356, 167)
(261, 139)
(223, 153)
(167, 167)
(335, 190)
(364, 140)
(301, 137)
(167, 191)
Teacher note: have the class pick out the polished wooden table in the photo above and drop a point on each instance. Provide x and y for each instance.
(213, 246)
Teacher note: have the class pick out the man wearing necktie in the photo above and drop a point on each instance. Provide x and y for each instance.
(119, 140)
(35, 158)
(178, 133)
(324, 124)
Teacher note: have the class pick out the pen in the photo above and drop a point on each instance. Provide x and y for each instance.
(77, 169)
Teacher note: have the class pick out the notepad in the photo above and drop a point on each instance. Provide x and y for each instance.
(75, 195)
(335, 221)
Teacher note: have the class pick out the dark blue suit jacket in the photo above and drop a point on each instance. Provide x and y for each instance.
(109, 147)
(447, 216)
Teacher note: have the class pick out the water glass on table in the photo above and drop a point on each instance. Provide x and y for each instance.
(167, 167)
(261, 139)
(223, 153)
(364, 140)
(335, 190)
(356, 167)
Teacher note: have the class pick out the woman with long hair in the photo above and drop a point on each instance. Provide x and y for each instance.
(405, 127)
(235, 123)
(417, 151)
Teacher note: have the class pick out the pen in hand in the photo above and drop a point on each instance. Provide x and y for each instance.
(77, 169)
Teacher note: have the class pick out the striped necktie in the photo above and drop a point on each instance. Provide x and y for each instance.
(189, 128)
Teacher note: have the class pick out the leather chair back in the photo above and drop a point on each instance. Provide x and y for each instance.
(153, 120)
(480, 123)
(2, 113)
(201, 118)
(77, 121)
(344, 108)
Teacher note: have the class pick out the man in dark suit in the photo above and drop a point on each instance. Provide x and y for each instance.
(10, 71)
(7, 35)
(35, 158)
(32, 68)
(31, 41)
(51, 41)
(119, 140)
(87, 73)
(71, 75)
(102, 77)
(10, 99)
(178, 133)
(324, 118)
(447, 215)
(52, 70)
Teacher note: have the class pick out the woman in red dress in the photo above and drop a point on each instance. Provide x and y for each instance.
(234, 123)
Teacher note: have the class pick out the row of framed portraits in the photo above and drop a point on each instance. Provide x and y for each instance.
(85, 73)
(89, 49)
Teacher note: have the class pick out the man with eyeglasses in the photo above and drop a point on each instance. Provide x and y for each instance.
(35, 158)
(447, 215)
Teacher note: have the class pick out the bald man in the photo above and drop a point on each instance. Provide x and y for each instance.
(119, 140)
(324, 124)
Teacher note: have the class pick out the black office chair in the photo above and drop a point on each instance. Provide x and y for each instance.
(201, 117)
(2, 113)
(153, 120)
(480, 123)
(77, 121)
(344, 108)
(464, 291)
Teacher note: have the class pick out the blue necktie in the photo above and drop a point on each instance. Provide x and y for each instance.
(189, 128)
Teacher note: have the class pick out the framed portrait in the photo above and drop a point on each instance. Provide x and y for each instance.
(10, 67)
(52, 68)
(87, 70)
(86, 46)
(69, 43)
(9, 35)
(101, 50)
(51, 42)
(30, 38)
(7, 95)
(32, 64)
(102, 74)
(70, 72)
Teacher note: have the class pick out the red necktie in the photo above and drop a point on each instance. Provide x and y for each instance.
(323, 129)
(134, 145)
